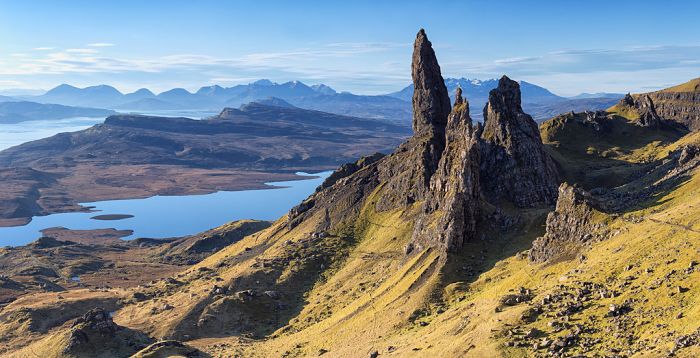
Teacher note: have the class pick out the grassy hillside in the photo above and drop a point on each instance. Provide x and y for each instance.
(606, 153)
(690, 86)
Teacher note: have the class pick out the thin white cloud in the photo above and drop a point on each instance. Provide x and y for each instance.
(101, 44)
(82, 50)
(365, 67)
(592, 60)
(43, 48)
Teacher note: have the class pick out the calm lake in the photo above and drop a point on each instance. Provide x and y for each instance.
(170, 216)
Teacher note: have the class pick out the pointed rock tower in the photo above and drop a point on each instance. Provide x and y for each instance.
(410, 168)
(513, 158)
(431, 102)
(451, 210)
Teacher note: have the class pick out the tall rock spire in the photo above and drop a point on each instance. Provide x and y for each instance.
(415, 161)
(452, 207)
(431, 103)
(514, 160)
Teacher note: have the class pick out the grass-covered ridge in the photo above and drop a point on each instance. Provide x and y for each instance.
(606, 153)
(690, 86)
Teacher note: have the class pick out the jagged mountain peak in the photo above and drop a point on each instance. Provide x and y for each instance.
(264, 82)
(324, 89)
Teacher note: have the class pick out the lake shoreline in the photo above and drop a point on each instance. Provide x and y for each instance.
(167, 216)
(151, 180)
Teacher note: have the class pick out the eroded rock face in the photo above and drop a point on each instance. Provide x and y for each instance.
(431, 102)
(569, 227)
(513, 157)
(647, 113)
(408, 170)
(452, 208)
(680, 107)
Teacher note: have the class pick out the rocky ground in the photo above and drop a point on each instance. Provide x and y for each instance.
(98, 259)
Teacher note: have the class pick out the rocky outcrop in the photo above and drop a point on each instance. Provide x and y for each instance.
(640, 109)
(513, 157)
(680, 104)
(571, 226)
(408, 170)
(647, 113)
(431, 102)
(192, 249)
(451, 210)
(680, 107)
(96, 335)
(348, 169)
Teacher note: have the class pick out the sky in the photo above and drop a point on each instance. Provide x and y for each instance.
(359, 46)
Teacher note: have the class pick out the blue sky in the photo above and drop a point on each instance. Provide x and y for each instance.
(358, 46)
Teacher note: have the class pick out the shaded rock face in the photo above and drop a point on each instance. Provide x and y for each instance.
(513, 157)
(644, 106)
(680, 107)
(408, 170)
(569, 228)
(348, 169)
(647, 114)
(431, 102)
(454, 201)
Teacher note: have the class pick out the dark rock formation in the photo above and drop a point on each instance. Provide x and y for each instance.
(348, 169)
(431, 103)
(679, 104)
(453, 205)
(46, 242)
(408, 170)
(598, 120)
(680, 107)
(628, 100)
(647, 113)
(513, 159)
(95, 334)
(569, 227)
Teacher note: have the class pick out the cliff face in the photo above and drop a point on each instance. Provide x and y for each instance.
(681, 107)
(513, 159)
(431, 102)
(680, 104)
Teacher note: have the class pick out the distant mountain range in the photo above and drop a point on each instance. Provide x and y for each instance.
(396, 106)
(538, 101)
